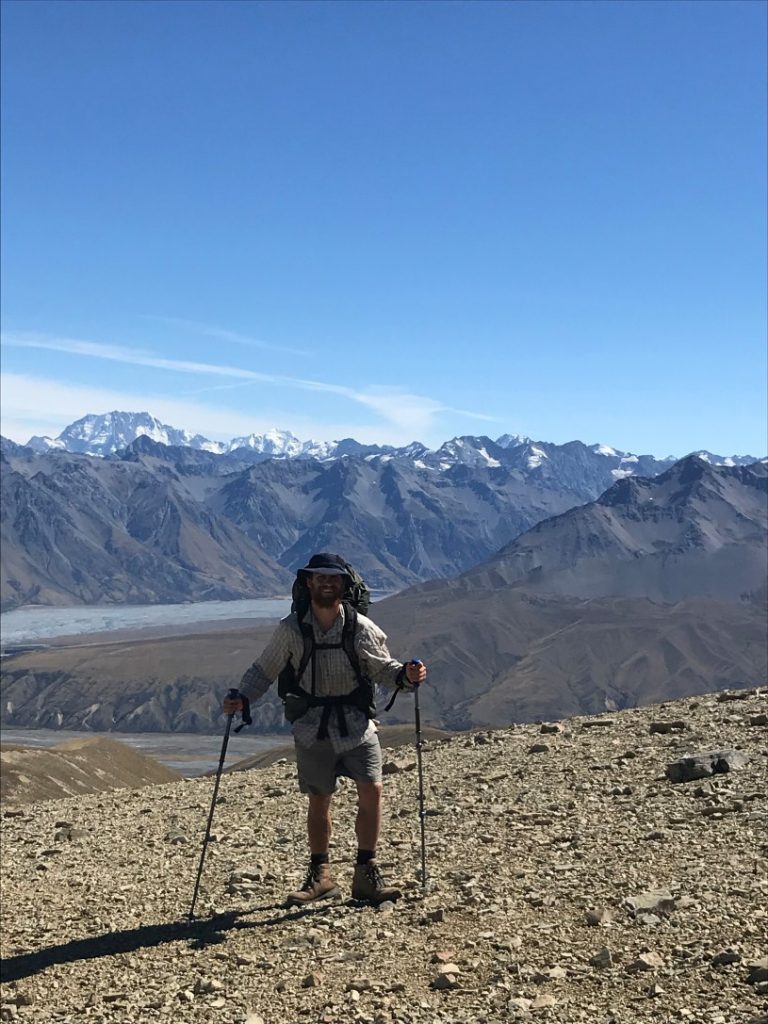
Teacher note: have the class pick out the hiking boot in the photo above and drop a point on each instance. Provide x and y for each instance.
(319, 885)
(368, 884)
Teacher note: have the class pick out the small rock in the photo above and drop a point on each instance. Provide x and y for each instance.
(758, 971)
(654, 901)
(602, 959)
(667, 727)
(727, 956)
(542, 1001)
(598, 723)
(551, 727)
(447, 977)
(520, 1003)
(312, 981)
(761, 719)
(538, 748)
(599, 916)
(645, 962)
(207, 985)
(702, 766)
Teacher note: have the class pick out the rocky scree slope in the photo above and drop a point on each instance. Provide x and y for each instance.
(572, 881)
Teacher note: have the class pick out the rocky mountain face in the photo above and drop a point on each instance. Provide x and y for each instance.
(168, 523)
(694, 530)
(79, 530)
(573, 876)
(656, 589)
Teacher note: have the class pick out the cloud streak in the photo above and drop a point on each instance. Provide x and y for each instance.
(404, 410)
(223, 334)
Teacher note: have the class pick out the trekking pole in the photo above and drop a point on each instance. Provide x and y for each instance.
(422, 812)
(233, 695)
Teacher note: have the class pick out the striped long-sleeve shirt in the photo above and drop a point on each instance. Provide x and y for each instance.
(334, 674)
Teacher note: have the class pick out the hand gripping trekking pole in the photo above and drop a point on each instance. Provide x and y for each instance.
(233, 695)
(422, 812)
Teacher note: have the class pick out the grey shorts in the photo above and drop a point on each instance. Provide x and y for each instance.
(319, 766)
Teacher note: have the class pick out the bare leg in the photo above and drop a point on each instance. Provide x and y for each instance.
(368, 821)
(319, 822)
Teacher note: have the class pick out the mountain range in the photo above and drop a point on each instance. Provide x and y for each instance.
(152, 522)
(109, 433)
(653, 591)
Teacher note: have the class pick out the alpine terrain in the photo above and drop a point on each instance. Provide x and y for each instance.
(656, 590)
(583, 871)
(122, 508)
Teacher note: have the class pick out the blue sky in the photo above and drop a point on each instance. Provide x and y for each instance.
(393, 221)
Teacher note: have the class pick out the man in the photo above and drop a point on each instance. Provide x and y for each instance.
(330, 705)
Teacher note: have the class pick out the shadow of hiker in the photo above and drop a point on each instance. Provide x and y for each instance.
(110, 943)
(201, 933)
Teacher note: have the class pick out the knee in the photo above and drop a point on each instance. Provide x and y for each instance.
(369, 793)
(319, 804)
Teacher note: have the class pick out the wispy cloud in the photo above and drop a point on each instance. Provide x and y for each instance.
(222, 334)
(37, 405)
(404, 410)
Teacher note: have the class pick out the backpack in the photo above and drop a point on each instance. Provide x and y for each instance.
(296, 700)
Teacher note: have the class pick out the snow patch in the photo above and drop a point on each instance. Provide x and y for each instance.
(536, 457)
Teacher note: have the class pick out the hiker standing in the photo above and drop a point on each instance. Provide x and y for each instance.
(329, 657)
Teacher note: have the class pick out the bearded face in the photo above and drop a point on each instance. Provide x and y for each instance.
(325, 591)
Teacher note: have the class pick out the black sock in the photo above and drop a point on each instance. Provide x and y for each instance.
(363, 856)
(319, 858)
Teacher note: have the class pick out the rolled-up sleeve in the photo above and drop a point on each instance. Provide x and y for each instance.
(270, 663)
(376, 661)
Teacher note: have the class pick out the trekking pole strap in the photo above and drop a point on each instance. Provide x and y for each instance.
(398, 687)
(245, 714)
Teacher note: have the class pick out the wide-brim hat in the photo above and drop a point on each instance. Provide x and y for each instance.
(326, 564)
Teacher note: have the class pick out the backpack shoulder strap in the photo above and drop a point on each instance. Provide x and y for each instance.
(348, 639)
(308, 636)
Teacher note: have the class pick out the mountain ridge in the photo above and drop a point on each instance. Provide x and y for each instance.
(108, 433)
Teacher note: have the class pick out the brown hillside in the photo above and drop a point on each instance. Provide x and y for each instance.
(73, 768)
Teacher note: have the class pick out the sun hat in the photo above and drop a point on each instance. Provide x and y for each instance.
(326, 564)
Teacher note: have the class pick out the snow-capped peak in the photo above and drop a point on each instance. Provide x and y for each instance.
(112, 431)
(512, 440)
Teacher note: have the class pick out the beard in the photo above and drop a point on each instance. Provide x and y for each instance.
(326, 595)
